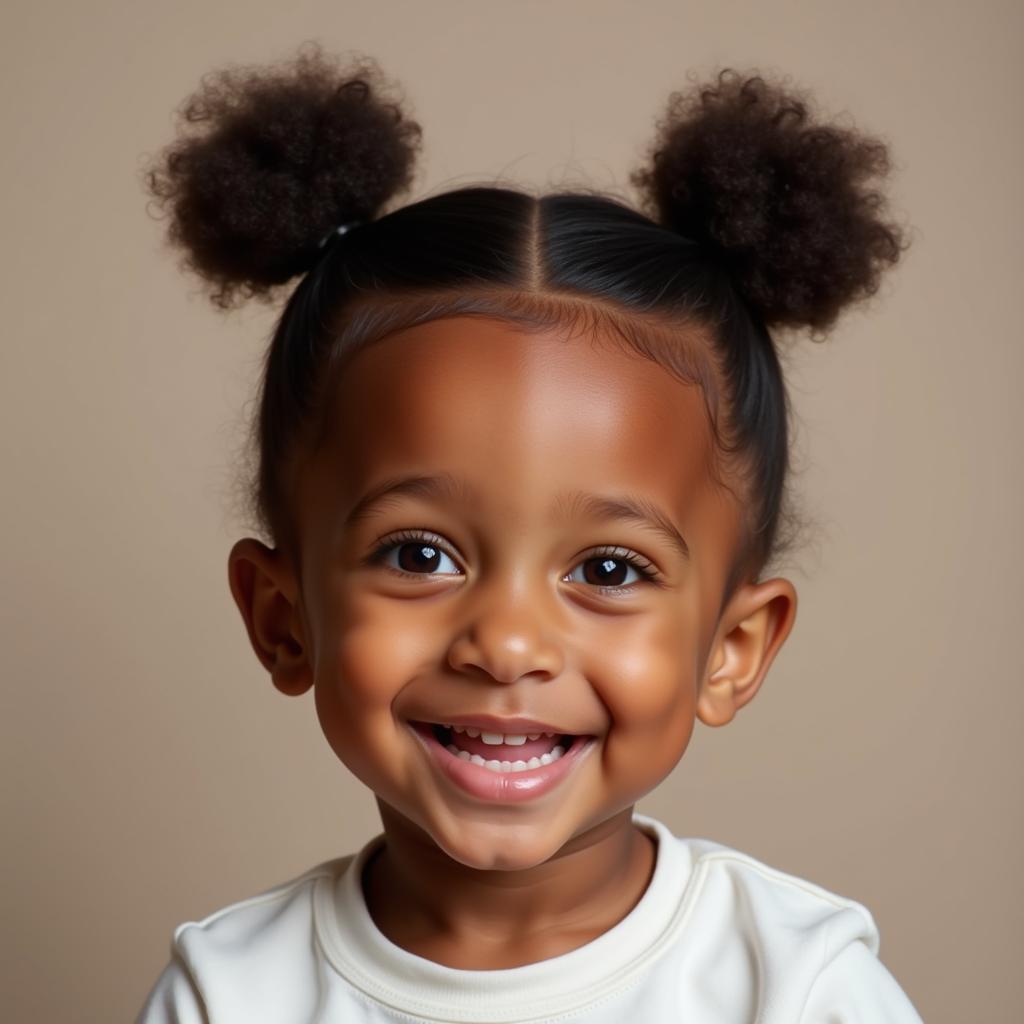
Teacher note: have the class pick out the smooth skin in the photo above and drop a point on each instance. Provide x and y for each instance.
(516, 607)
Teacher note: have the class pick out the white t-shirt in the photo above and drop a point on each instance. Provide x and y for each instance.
(717, 938)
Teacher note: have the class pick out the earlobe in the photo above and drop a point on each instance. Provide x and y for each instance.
(753, 627)
(264, 588)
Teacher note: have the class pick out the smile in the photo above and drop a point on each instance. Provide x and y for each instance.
(501, 766)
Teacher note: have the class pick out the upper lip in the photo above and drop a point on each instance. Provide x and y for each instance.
(516, 726)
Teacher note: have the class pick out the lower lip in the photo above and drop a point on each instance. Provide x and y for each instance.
(506, 787)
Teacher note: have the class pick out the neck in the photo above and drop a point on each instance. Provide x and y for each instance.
(429, 904)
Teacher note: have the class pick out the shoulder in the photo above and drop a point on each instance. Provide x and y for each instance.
(770, 938)
(269, 916)
(762, 899)
(775, 902)
(248, 954)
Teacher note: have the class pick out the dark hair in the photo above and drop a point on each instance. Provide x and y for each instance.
(755, 217)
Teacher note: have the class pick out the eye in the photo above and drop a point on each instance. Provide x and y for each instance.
(412, 553)
(417, 554)
(607, 566)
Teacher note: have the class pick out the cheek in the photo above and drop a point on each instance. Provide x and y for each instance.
(646, 674)
(369, 650)
(648, 684)
(363, 664)
(372, 661)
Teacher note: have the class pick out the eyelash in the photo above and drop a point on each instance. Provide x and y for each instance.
(385, 545)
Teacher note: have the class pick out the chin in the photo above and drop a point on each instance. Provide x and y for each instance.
(498, 847)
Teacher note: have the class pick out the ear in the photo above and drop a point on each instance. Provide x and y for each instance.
(264, 587)
(752, 628)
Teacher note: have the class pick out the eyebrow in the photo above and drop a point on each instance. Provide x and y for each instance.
(439, 486)
(625, 508)
(629, 508)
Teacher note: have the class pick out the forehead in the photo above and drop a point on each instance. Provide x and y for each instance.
(520, 415)
(523, 420)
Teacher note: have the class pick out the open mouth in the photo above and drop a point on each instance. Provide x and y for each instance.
(500, 752)
(503, 767)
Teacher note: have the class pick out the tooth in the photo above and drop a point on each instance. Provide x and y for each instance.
(477, 759)
(492, 739)
(533, 736)
(465, 755)
(458, 728)
(553, 756)
(454, 749)
(472, 732)
(548, 735)
(513, 766)
(514, 741)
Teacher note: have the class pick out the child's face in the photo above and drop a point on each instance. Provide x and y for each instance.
(501, 610)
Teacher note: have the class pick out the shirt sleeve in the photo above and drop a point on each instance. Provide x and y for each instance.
(856, 988)
(174, 999)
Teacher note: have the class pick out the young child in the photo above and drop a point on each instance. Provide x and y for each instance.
(521, 464)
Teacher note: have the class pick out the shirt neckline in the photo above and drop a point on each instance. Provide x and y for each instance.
(404, 981)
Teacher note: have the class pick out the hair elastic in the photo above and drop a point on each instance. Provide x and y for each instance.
(339, 230)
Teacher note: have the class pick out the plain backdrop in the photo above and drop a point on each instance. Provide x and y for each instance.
(151, 774)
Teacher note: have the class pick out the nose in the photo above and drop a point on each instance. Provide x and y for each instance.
(507, 638)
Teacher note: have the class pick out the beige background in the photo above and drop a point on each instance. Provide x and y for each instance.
(151, 774)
